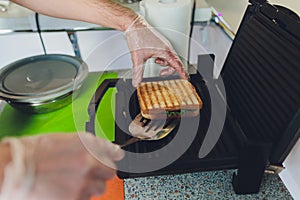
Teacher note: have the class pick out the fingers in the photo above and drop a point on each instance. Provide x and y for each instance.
(112, 151)
(102, 150)
(146, 42)
(163, 57)
(175, 62)
(161, 61)
(167, 71)
(138, 68)
(169, 59)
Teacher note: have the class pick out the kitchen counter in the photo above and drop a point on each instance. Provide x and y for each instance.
(202, 185)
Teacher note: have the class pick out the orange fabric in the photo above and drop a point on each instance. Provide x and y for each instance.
(114, 190)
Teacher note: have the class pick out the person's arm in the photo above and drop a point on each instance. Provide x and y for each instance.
(5, 158)
(144, 41)
(101, 12)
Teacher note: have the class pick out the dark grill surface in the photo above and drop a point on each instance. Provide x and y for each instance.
(262, 79)
(223, 154)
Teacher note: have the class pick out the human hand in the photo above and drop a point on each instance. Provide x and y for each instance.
(145, 42)
(59, 167)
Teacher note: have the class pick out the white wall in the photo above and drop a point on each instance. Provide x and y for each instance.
(291, 175)
(233, 10)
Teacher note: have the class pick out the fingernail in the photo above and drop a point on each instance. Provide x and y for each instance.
(120, 153)
(116, 147)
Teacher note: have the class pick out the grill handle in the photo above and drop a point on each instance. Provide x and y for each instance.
(95, 101)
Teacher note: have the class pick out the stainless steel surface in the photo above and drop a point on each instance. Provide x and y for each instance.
(129, 1)
(14, 10)
(42, 83)
(45, 106)
(274, 169)
(145, 129)
(3, 8)
(222, 24)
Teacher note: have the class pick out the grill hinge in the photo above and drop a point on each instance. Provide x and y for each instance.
(274, 169)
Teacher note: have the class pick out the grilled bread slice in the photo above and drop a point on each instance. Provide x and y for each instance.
(169, 98)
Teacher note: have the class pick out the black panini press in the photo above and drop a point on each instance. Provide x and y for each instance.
(261, 76)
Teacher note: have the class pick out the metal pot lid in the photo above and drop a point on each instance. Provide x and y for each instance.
(41, 78)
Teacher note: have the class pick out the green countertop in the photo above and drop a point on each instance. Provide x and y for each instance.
(69, 119)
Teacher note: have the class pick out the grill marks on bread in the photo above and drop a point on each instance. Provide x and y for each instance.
(168, 95)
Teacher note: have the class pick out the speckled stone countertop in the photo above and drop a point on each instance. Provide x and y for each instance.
(201, 185)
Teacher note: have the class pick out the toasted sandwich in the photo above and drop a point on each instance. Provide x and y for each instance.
(169, 98)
